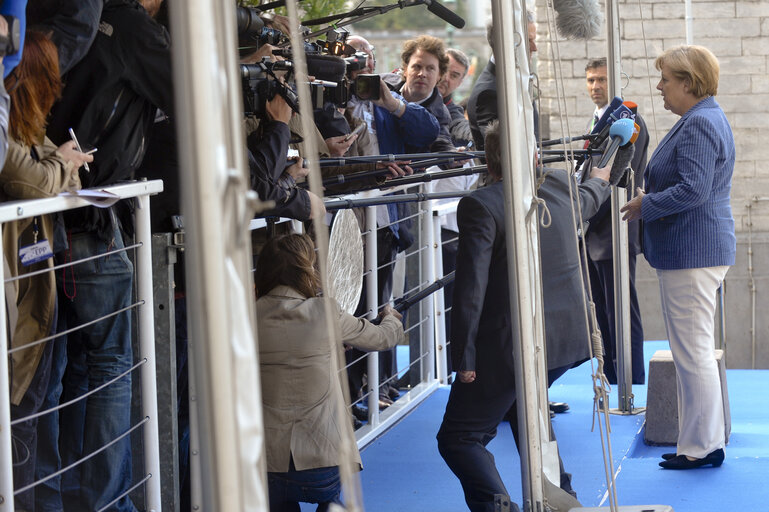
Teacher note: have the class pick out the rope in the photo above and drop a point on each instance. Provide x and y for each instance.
(600, 383)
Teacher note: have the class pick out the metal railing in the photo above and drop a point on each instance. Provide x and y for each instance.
(16, 210)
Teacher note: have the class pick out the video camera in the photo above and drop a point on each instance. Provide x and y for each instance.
(9, 44)
(331, 62)
(260, 85)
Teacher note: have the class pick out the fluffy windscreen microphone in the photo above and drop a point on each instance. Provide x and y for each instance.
(621, 164)
(578, 19)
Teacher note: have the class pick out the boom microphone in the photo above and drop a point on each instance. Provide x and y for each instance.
(578, 19)
(620, 133)
(621, 163)
(445, 14)
(622, 112)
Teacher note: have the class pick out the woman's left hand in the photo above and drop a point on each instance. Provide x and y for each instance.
(632, 208)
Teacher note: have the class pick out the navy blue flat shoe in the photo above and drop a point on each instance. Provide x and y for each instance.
(668, 456)
(715, 458)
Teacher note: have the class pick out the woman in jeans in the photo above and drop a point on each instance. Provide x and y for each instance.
(308, 429)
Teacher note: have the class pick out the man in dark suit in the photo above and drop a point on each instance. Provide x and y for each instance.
(482, 105)
(482, 329)
(599, 244)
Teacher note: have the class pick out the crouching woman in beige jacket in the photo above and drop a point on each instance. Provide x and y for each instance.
(308, 429)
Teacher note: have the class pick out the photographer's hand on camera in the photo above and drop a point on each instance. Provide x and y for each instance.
(297, 170)
(264, 51)
(387, 101)
(278, 110)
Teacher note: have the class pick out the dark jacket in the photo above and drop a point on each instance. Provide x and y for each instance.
(482, 105)
(266, 162)
(482, 329)
(434, 105)
(417, 127)
(111, 98)
(459, 126)
(563, 295)
(599, 237)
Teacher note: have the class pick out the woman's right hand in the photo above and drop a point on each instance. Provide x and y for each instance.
(69, 152)
(389, 310)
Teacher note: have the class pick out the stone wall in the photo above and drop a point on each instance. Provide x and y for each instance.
(738, 34)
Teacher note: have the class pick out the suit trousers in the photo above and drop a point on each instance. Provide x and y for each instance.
(688, 306)
(469, 424)
(602, 285)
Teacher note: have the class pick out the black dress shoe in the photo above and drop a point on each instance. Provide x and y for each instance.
(668, 456)
(558, 407)
(359, 412)
(681, 462)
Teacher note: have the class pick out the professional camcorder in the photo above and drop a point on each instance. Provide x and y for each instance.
(9, 44)
(260, 85)
(330, 62)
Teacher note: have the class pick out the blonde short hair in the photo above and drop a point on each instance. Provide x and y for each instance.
(694, 63)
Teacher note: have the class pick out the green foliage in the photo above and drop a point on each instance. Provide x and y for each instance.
(308, 9)
(409, 18)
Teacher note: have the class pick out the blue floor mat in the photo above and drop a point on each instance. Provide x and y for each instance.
(404, 472)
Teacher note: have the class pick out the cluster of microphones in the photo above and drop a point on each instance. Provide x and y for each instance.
(618, 124)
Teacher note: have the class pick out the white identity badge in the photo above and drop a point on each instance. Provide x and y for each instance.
(37, 251)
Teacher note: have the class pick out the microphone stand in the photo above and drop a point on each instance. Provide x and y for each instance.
(404, 303)
(408, 180)
(341, 204)
(359, 14)
(458, 155)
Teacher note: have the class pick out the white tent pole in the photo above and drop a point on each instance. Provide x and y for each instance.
(619, 230)
(516, 121)
(217, 204)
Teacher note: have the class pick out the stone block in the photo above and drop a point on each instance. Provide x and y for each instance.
(668, 11)
(715, 10)
(745, 27)
(752, 9)
(662, 401)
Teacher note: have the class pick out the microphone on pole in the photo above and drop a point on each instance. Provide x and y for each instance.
(445, 14)
(620, 134)
(578, 19)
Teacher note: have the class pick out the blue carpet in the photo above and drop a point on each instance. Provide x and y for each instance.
(404, 472)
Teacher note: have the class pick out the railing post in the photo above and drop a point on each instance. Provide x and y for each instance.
(441, 350)
(152, 494)
(6, 455)
(427, 306)
(372, 302)
(163, 260)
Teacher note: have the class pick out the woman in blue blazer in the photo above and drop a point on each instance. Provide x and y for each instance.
(689, 239)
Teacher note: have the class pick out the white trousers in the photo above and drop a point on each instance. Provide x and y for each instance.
(689, 305)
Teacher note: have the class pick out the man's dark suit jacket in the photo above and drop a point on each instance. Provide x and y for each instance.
(599, 238)
(482, 105)
(481, 327)
(566, 333)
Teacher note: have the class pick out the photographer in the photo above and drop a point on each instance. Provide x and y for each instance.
(5, 101)
(271, 177)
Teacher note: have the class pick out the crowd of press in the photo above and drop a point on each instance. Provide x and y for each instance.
(88, 102)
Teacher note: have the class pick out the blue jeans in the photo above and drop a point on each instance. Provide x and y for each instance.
(321, 486)
(95, 355)
(25, 437)
(48, 494)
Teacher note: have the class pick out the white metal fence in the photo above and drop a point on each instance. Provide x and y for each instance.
(426, 366)
(11, 211)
